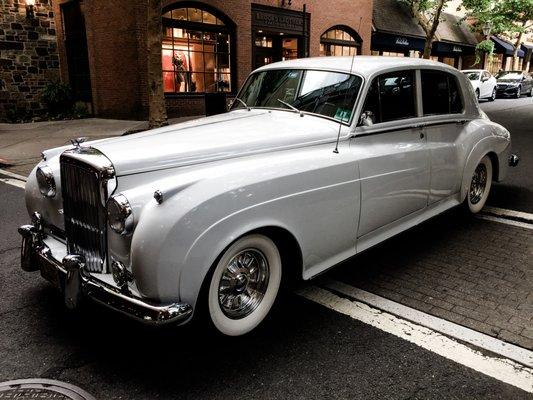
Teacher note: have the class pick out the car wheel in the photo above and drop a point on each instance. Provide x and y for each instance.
(480, 185)
(518, 92)
(244, 285)
(493, 95)
(530, 92)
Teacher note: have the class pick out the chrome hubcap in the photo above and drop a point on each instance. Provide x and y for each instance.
(478, 184)
(243, 283)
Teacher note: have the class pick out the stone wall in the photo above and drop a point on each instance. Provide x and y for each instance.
(28, 57)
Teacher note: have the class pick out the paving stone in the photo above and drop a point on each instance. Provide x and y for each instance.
(469, 271)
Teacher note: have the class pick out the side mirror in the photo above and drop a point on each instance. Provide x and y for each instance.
(366, 119)
(484, 79)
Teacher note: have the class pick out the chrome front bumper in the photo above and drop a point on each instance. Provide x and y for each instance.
(75, 283)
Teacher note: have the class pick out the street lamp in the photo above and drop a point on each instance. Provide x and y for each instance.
(487, 27)
(30, 14)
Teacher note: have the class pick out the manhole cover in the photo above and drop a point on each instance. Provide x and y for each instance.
(29, 389)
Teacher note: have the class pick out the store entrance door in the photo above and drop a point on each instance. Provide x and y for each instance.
(269, 48)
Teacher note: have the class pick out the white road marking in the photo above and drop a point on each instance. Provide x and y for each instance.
(13, 175)
(502, 212)
(505, 221)
(448, 328)
(14, 182)
(499, 368)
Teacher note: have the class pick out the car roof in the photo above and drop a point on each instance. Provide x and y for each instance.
(363, 65)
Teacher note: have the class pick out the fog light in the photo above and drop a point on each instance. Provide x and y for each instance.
(119, 214)
(46, 181)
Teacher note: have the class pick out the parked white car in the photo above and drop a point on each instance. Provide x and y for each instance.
(317, 161)
(483, 83)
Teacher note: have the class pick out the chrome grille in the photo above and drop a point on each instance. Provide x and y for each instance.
(84, 212)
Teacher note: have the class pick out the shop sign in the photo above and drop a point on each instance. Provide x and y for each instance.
(277, 20)
(457, 49)
(402, 41)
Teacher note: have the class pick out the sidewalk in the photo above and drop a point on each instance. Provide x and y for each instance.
(21, 144)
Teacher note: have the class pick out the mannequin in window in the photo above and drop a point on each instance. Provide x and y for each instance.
(181, 73)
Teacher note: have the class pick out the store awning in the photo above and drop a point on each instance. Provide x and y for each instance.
(503, 47)
(526, 47)
(396, 42)
(445, 48)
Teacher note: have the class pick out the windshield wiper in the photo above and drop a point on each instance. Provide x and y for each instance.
(244, 104)
(291, 107)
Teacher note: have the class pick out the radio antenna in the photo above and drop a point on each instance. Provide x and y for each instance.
(336, 151)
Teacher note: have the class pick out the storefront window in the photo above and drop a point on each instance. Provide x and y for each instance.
(196, 52)
(339, 42)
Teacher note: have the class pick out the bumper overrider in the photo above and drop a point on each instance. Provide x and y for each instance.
(75, 282)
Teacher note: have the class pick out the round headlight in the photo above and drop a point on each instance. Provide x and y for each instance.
(46, 181)
(119, 214)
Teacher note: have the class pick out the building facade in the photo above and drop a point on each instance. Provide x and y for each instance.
(28, 56)
(208, 46)
(397, 33)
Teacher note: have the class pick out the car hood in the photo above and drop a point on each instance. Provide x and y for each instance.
(233, 134)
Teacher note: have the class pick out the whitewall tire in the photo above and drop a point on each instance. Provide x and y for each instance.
(244, 285)
(479, 187)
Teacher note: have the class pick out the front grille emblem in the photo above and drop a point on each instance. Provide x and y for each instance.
(77, 142)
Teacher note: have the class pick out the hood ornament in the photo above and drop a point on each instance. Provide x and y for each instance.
(77, 142)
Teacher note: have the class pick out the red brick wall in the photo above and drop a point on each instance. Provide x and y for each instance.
(116, 35)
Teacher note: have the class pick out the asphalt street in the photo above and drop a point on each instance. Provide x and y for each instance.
(516, 192)
(303, 350)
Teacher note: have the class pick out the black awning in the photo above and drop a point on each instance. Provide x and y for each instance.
(503, 47)
(452, 49)
(396, 42)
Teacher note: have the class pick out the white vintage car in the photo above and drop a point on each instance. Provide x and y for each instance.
(318, 160)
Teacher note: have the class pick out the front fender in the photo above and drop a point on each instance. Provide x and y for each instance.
(316, 199)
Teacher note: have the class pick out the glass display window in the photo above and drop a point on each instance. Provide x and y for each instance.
(196, 52)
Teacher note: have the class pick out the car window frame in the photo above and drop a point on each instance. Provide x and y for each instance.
(415, 82)
(303, 69)
(459, 89)
(420, 120)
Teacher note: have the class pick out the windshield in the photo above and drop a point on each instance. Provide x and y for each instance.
(473, 76)
(330, 94)
(514, 75)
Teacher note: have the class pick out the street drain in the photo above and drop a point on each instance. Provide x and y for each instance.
(26, 389)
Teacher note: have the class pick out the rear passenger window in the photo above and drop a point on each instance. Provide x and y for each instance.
(392, 97)
(440, 93)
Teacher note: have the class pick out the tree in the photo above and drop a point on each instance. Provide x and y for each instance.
(428, 14)
(510, 18)
(157, 114)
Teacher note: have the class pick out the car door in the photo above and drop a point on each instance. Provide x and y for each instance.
(443, 110)
(392, 152)
(486, 84)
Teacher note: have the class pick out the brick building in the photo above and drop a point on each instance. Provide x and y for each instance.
(28, 56)
(208, 46)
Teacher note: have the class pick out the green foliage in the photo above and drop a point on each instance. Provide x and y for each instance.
(57, 97)
(79, 110)
(485, 47)
(507, 17)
